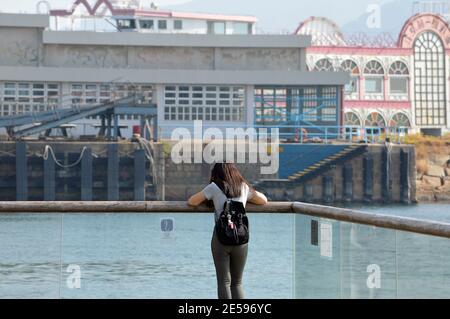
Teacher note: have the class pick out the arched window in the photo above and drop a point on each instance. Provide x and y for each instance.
(324, 65)
(352, 125)
(400, 120)
(351, 119)
(429, 80)
(351, 67)
(398, 78)
(375, 119)
(398, 68)
(374, 77)
(374, 67)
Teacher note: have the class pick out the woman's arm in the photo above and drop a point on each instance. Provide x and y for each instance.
(258, 198)
(197, 199)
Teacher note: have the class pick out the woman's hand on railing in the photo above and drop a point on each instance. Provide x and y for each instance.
(196, 199)
(258, 198)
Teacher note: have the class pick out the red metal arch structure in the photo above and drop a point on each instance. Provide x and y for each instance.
(419, 23)
(91, 10)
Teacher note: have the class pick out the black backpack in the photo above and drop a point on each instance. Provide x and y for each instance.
(232, 227)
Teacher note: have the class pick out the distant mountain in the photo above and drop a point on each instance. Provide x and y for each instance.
(283, 15)
(393, 16)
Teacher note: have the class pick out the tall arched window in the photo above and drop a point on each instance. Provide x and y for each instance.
(398, 78)
(351, 67)
(323, 65)
(374, 76)
(429, 79)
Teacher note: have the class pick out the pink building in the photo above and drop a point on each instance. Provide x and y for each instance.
(402, 84)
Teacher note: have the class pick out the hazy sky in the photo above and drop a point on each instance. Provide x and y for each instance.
(30, 5)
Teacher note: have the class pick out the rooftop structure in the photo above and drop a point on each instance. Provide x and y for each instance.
(108, 15)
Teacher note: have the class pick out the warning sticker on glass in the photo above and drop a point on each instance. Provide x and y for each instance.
(326, 240)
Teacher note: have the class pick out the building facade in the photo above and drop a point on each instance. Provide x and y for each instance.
(130, 16)
(403, 85)
(243, 80)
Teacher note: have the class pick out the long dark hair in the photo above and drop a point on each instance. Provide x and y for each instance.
(228, 178)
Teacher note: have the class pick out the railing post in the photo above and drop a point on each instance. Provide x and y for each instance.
(368, 177)
(113, 172)
(385, 175)
(348, 182)
(109, 126)
(327, 191)
(86, 175)
(139, 175)
(49, 179)
(155, 129)
(405, 186)
(116, 127)
(308, 194)
(21, 171)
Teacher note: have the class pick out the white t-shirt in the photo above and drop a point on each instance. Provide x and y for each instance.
(214, 193)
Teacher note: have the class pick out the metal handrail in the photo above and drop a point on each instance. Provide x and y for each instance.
(432, 228)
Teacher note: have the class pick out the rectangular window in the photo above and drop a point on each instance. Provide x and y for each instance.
(398, 85)
(200, 113)
(124, 24)
(167, 113)
(147, 24)
(213, 114)
(162, 24)
(198, 102)
(374, 85)
(329, 114)
(240, 28)
(178, 25)
(219, 28)
(235, 112)
(352, 87)
(310, 114)
(227, 114)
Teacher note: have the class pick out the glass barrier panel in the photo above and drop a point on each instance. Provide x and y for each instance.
(344, 260)
(168, 256)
